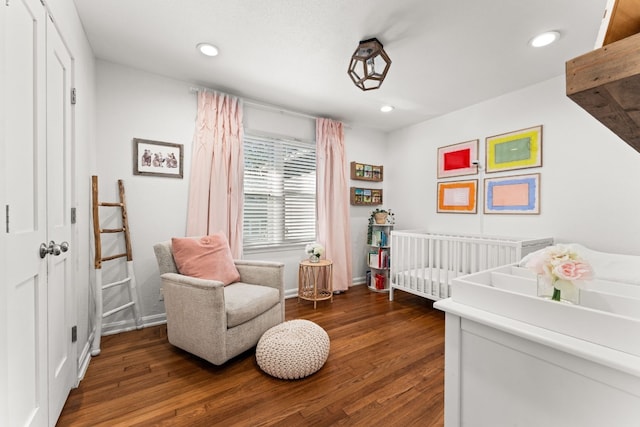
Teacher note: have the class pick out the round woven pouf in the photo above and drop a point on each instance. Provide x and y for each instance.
(293, 349)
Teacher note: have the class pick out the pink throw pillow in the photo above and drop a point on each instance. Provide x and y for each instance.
(207, 258)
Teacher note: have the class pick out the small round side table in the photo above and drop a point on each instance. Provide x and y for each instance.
(315, 281)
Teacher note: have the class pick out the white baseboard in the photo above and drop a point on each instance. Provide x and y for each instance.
(293, 293)
(358, 281)
(155, 320)
(130, 325)
(290, 293)
(84, 359)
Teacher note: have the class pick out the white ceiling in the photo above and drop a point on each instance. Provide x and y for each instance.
(446, 54)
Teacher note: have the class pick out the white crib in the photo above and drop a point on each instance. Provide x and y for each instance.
(425, 263)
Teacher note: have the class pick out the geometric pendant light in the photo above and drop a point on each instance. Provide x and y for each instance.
(369, 65)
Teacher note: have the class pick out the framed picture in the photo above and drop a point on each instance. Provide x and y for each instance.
(518, 194)
(156, 158)
(514, 150)
(458, 196)
(457, 159)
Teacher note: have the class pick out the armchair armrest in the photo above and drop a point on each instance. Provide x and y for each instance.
(265, 273)
(196, 314)
(188, 281)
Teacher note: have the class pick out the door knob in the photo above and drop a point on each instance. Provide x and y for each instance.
(53, 248)
(44, 250)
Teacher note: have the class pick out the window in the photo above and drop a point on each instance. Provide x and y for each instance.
(279, 191)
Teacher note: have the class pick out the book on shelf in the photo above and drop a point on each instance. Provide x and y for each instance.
(379, 259)
(379, 238)
(383, 238)
(359, 198)
(377, 172)
(373, 259)
(380, 281)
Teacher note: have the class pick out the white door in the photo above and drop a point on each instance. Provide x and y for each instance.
(38, 298)
(25, 193)
(61, 313)
(4, 367)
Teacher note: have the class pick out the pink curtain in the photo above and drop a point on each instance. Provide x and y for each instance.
(216, 185)
(334, 228)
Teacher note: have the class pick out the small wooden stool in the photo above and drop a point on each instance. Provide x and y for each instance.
(315, 281)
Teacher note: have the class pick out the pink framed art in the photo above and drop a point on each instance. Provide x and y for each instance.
(458, 159)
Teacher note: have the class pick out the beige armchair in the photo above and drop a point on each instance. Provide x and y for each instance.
(217, 322)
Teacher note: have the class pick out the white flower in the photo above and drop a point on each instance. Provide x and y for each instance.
(314, 249)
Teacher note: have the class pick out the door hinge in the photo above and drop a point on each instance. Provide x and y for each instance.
(7, 216)
(74, 333)
(73, 96)
(73, 215)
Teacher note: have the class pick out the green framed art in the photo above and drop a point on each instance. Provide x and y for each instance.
(520, 149)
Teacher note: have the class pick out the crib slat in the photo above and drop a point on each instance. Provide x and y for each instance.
(433, 248)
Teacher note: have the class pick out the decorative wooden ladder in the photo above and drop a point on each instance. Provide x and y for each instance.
(130, 280)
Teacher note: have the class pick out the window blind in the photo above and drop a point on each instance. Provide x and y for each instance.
(279, 191)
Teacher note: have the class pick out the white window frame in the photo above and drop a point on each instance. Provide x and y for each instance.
(279, 207)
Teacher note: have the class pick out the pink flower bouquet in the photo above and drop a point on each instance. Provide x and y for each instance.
(561, 267)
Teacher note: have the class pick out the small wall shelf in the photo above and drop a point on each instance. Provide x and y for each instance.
(365, 172)
(366, 196)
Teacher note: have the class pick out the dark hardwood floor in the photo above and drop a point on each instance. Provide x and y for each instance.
(385, 367)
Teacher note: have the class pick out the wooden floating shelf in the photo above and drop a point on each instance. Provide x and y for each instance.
(366, 196)
(365, 172)
(606, 81)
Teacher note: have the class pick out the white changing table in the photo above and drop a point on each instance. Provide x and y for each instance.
(515, 359)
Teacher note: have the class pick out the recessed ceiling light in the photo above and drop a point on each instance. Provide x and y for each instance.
(207, 49)
(386, 108)
(544, 39)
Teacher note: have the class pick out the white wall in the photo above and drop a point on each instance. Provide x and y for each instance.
(132, 104)
(590, 179)
(365, 146)
(136, 104)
